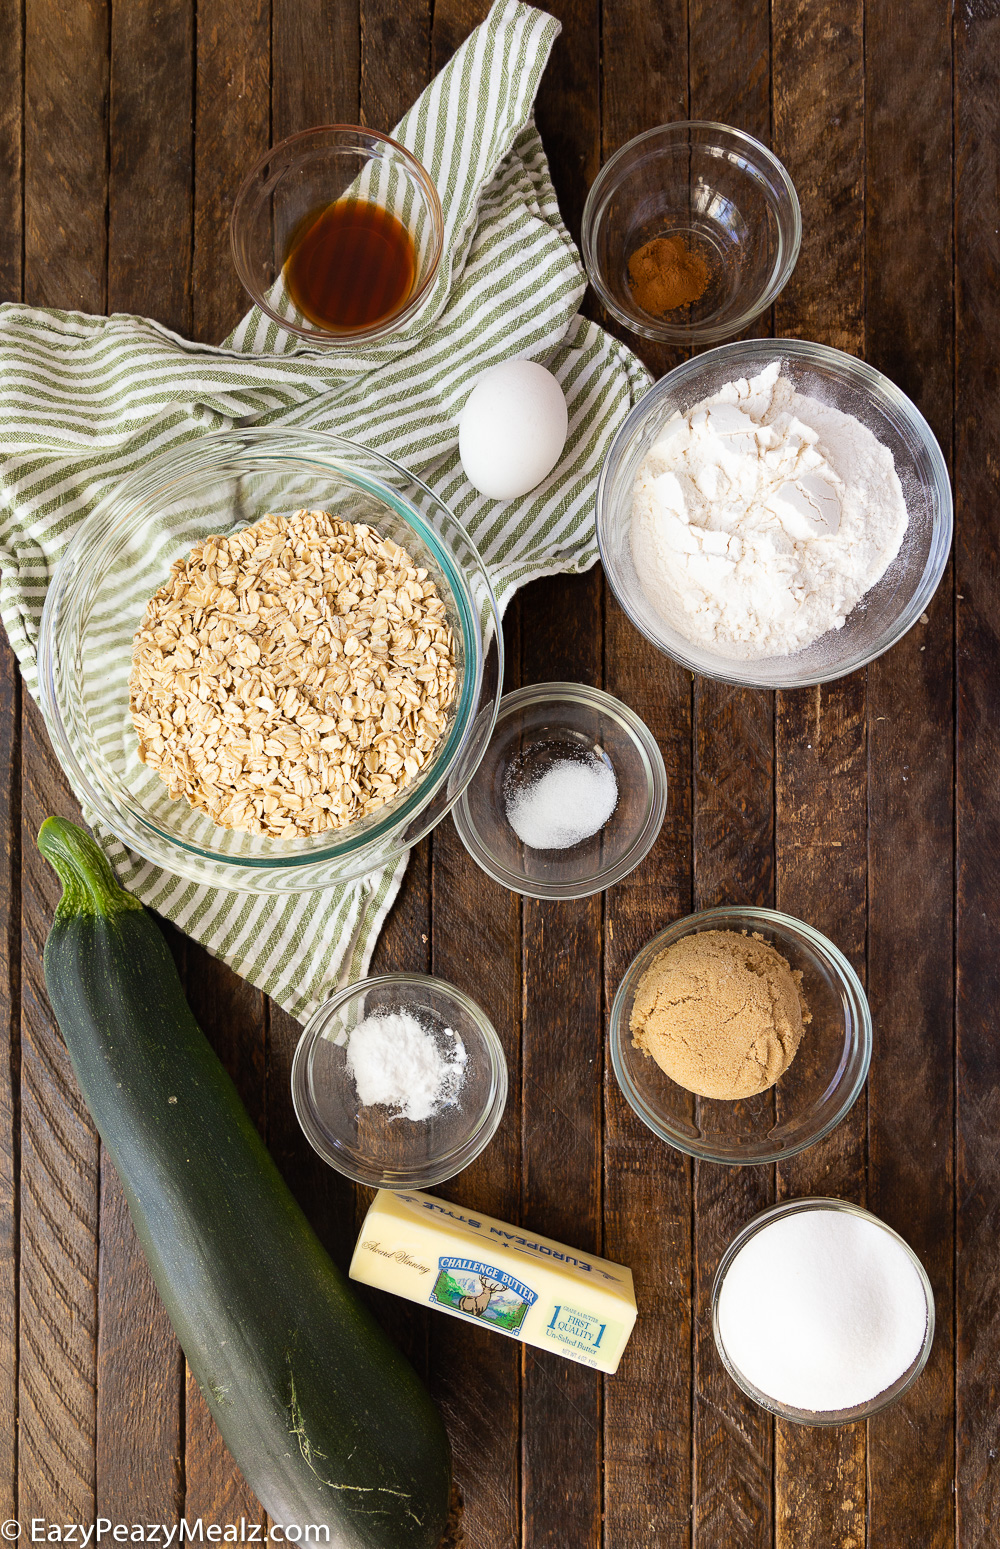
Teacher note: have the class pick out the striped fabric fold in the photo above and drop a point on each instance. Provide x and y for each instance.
(85, 401)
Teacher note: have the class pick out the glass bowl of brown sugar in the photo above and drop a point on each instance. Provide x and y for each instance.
(690, 231)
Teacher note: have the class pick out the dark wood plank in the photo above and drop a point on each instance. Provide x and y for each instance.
(151, 140)
(476, 1375)
(232, 128)
(563, 1047)
(11, 152)
(232, 110)
(733, 863)
(59, 1198)
(977, 567)
(648, 1196)
(821, 831)
(821, 878)
(476, 944)
(395, 59)
(10, 1064)
(908, 95)
(563, 1042)
(65, 253)
(231, 1013)
(65, 153)
(11, 192)
(644, 82)
(392, 68)
(314, 64)
(139, 1365)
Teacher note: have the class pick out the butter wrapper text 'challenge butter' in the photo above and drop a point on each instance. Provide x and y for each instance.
(503, 1277)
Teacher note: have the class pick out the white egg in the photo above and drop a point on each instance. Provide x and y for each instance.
(512, 429)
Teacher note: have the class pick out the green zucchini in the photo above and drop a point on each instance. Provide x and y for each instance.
(325, 1418)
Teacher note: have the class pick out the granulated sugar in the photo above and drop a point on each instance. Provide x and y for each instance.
(822, 1310)
(398, 1062)
(572, 800)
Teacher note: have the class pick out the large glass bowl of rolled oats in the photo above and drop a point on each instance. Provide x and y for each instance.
(264, 660)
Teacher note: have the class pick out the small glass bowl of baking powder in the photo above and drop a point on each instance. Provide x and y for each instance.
(690, 231)
(399, 1081)
(821, 1296)
(812, 1095)
(570, 794)
(840, 381)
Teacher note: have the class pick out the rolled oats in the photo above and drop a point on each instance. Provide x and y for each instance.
(292, 677)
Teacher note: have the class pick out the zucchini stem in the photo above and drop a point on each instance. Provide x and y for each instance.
(89, 885)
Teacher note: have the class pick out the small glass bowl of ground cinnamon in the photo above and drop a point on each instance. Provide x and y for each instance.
(690, 231)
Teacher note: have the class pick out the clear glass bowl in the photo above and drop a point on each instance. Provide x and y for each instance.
(819, 1416)
(892, 607)
(727, 198)
(536, 725)
(820, 1085)
(303, 176)
(123, 552)
(369, 1144)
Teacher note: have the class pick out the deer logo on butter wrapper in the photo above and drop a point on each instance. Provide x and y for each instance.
(482, 1291)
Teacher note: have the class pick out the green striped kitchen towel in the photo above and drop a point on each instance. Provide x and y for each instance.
(84, 401)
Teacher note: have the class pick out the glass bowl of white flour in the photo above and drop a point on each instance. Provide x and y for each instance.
(774, 513)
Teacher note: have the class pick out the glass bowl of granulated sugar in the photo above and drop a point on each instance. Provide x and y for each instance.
(821, 1312)
(774, 513)
(399, 1081)
(570, 794)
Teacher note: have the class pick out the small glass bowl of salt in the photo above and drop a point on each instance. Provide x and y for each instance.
(399, 1081)
(821, 1312)
(570, 794)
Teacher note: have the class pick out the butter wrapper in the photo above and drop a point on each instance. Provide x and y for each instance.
(503, 1277)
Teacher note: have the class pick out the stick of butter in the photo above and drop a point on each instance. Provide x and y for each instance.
(503, 1277)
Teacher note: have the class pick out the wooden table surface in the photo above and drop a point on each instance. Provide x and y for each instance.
(868, 807)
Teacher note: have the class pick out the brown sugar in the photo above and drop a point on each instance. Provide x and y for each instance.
(665, 274)
(721, 1013)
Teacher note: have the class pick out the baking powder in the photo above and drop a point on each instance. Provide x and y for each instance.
(761, 517)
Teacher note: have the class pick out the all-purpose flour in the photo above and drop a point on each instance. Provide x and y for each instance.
(763, 516)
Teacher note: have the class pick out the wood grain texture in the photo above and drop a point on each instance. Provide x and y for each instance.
(10, 1065)
(231, 1014)
(821, 773)
(909, 321)
(66, 69)
(563, 1047)
(314, 66)
(151, 159)
(395, 59)
(140, 1372)
(475, 1375)
(59, 1198)
(648, 1199)
(65, 257)
(232, 128)
(729, 69)
(140, 121)
(11, 195)
(977, 568)
(649, 1495)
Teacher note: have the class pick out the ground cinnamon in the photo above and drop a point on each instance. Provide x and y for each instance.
(665, 274)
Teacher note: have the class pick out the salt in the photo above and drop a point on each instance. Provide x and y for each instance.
(398, 1062)
(572, 800)
(822, 1310)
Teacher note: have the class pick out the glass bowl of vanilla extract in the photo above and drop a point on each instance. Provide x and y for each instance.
(337, 234)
